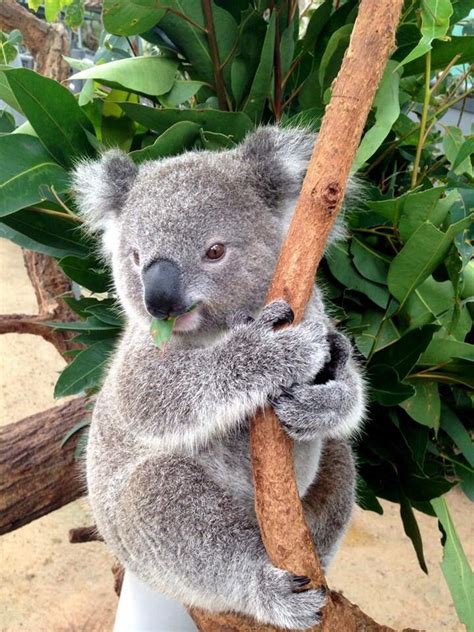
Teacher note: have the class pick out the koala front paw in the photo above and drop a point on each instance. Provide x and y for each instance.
(332, 405)
(284, 601)
(292, 354)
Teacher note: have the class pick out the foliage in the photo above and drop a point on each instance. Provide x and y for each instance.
(402, 285)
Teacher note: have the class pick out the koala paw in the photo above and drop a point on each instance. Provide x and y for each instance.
(331, 405)
(285, 602)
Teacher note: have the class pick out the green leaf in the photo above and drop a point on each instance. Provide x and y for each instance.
(404, 354)
(87, 273)
(456, 570)
(162, 330)
(86, 370)
(411, 529)
(386, 388)
(260, 88)
(130, 17)
(90, 324)
(191, 38)
(25, 168)
(435, 16)
(387, 111)
(370, 263)
(425, 405)
(465, 151)
(53, 113)
(442, 54)
(44, 233)
(424, 206)
(365, 497)
(419, 257)
(333, 54)
(171, 142)
(341, 267)
(146, 75)
(181, 92)
(453, 142)
(377, 331)
(6, 93)
(443, 349)
(452, 425)
(107, 312)
(74, 13)
(233, 124)
(317, 22)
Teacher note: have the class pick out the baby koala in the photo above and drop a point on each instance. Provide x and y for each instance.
(168, 467)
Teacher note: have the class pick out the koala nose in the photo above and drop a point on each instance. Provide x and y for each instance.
(162, 285)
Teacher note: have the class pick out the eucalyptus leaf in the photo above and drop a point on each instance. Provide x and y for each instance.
(147, 75)
(234, 124)
(162, 330)
(387, 111)
(130, 17)
(48, 234)
(25, 168)
(86, 370)
(260, 88)
(174, 140)
(53, 113)
(455, 566)
(425, 405)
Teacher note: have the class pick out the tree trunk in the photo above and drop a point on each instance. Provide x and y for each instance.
(37, 475)
(279, 511)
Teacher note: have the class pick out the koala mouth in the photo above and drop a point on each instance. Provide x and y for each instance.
(189, 321)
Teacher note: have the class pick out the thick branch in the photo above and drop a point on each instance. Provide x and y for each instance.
(37, 475)
(47, 42)
(284, 531)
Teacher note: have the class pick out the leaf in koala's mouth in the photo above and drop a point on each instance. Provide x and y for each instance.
(162, 330)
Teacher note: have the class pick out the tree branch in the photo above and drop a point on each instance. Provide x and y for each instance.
(278, 506)
(37, 475)
(47, 42)
(211, 36)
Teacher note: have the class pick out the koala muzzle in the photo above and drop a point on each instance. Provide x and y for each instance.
(162, 284)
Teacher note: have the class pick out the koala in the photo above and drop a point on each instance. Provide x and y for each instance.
(168, 468)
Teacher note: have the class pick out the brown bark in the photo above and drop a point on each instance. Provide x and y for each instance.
(284, 531)
(47, 42)
(37, 475)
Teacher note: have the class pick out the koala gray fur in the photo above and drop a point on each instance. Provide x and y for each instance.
(168, 467)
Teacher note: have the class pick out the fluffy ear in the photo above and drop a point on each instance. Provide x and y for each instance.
(101, 187)
(279, 158)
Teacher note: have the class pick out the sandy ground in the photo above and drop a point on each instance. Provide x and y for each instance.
(49, 585)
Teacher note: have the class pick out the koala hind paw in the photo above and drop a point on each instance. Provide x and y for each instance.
(287, 603)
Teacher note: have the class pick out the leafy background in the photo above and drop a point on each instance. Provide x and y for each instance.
(168, 77)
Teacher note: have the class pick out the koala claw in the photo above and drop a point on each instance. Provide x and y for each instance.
(299, 581)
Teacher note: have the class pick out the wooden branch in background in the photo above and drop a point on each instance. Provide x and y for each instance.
(46, 42)
(279, 511)
(37, 475)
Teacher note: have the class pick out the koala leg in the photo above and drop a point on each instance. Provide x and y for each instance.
(185, 536)
(329, 501)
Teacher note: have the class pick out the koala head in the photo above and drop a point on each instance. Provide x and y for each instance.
(199, 230)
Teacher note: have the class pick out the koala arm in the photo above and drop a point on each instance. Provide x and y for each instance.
(184, 398)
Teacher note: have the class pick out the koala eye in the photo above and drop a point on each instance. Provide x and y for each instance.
(136, 257)
(215, 252)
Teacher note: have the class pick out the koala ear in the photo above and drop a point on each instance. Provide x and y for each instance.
(279, 159)
(101, 188)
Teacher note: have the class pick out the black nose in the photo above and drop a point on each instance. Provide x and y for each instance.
(162, 284)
